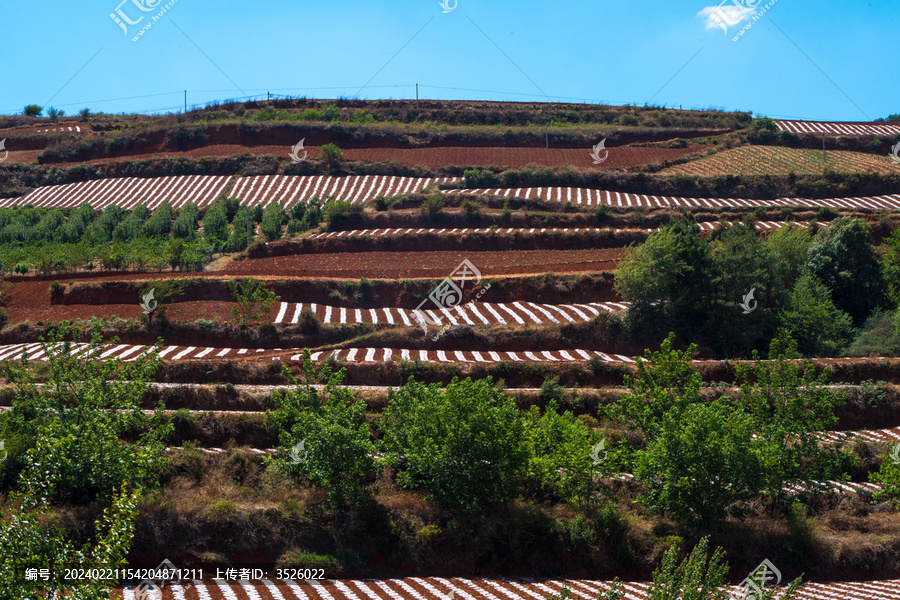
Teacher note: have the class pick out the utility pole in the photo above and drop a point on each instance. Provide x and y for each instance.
(417, 95)
(247, 220)
(823, 153)
(185, 101)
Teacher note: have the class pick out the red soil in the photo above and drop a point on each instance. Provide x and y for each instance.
(403, 265)
(621, 156)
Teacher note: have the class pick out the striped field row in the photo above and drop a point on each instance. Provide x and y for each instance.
(590, 197)
(390, 232)
(290, 189)
(128, 192)
(130, 353)
(448, 588)
(834, 128)
(471, 313)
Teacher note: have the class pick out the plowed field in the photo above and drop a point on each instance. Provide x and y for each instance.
(403, 265)
(775, 160)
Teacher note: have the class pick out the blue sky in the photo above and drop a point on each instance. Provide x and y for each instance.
(824, 60)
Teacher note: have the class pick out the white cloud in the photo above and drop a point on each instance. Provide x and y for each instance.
(722, 16)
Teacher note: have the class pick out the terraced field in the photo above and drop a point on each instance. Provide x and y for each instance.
(544, 321)
(440, 588)
(837, 128)
(287, 190)
(779, 160)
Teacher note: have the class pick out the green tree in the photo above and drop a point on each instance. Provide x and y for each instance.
(700, 576)
(33, 110)
(560, 448)
(273, 219)
(215, 226)
(185, 226)
(788, 246)
(791, 404)
(811, 318)
(668, 281)
(323, 434)
(741, 262)
(254, 299)
(888, 475)
(28, 541)
(665, 382)
(464, 445)
(78, 419)
(242, 230)
(702, 465)
(843, 258)
(764, 124)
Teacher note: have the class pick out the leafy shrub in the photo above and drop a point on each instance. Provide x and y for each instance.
(204, 324)
(433, 204)
(332, 155)
(812, 319)
(888, 475)
(308, 323)
(463, 445)
(878, 336)
(29, 538)
(272, 220)
(843, 258)
(78, 454)
(324, 434)
(336, 212)
(560, 447)
(330, 112)
(254, 300)
(764, 124)
(215, 226)
(56, 291)
(381, 203)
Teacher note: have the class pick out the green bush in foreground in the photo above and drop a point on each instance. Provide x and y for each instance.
(78, 419)
(464, 445)
(323, 434)
(26, 541)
